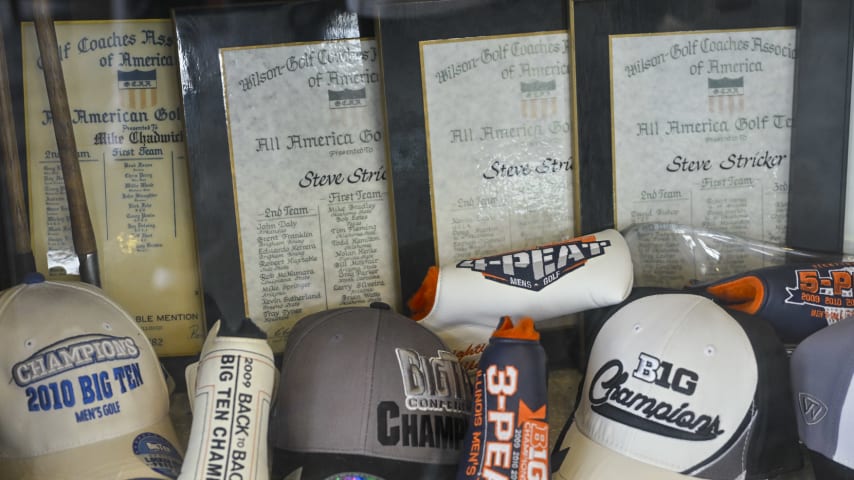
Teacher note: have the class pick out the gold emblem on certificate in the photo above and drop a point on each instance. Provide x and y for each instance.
(123, 90)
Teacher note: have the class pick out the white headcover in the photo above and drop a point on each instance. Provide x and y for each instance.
(230, 390)
(542, 283)
(85, 396)
(669, 393)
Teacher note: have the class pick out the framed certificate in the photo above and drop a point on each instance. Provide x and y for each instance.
(596, 23)
(311, 189)
(286, 160)
(12, 14)
(479, 127)
(123, 90)
(821, 213)
(694, 127)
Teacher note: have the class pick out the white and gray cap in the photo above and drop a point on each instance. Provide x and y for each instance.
(678, 387)
(823, 391)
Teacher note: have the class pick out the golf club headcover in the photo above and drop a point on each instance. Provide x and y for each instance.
(230, 388)
(797, 299)
(508, 433)
(462, 301)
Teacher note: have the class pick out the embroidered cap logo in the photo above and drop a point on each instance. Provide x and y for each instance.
(610, 398)
(812, 408)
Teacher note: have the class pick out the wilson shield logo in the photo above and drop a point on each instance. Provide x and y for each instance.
(534, 269)
(812, 408)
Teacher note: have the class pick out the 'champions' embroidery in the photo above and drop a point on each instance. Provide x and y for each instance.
(610, 398)
(72, 353)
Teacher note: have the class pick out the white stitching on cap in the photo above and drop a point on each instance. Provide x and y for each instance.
(747, 437)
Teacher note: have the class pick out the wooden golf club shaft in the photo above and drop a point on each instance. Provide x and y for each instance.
(81, 223)
(24, 261)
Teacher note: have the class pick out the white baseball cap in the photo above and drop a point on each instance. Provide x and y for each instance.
(86, 397)
(678, 387)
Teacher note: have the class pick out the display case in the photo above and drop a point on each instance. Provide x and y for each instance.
(227, 173)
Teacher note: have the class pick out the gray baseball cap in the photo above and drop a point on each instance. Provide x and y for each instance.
(368, 393)
(823, 390)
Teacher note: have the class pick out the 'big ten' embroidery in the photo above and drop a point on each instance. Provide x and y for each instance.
(437, 385)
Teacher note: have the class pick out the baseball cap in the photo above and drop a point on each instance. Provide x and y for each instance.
(86, 396)
(368, 393)
(823, 391)
(678, 387)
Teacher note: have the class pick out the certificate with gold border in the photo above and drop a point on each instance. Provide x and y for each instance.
(478, 117)
(701, 125)
(202, 33)
(123, 90)
(498, 131)
(310, 189)
(642, 71)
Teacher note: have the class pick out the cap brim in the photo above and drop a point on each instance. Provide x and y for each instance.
(587, 459)
(149, 453)
(321, 466)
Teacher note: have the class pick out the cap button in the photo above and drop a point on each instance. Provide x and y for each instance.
(33, 277)
(380, 306)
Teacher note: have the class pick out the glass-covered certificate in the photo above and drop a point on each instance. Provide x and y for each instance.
(498, 142)
(309, 171)
(702, 125)
(124, 97)
(452, 56)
